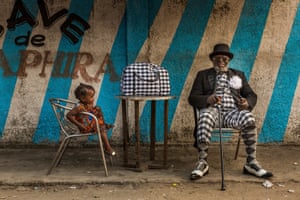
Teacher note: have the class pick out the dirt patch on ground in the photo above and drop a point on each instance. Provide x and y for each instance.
(157, 191)
(19, 166)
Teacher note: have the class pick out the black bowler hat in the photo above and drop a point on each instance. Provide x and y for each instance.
(221, 49)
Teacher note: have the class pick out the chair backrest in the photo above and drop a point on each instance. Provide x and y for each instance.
(60, 108)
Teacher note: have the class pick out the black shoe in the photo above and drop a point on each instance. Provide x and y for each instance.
(200, 170)
(256, 170)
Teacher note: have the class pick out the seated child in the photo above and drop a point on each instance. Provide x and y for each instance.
(86, 124)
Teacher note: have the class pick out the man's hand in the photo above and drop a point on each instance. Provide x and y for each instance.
(213, 99)
(243, 104)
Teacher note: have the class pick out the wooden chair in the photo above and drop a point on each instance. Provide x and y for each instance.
(69, 131)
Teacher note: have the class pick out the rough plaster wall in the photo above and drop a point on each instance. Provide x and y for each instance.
(293, 130)
(220, 28)
(268, 60)
(101, 41)
(105, 18)
(155, 48)
(30, 90)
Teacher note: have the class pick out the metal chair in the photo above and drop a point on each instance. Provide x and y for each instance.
(69, 131)
(227, 133)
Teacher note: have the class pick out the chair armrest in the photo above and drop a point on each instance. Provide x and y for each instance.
(94, 118)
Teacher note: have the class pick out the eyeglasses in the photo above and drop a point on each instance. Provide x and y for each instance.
(221, 58)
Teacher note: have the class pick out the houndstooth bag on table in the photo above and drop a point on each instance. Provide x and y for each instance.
(145, 79)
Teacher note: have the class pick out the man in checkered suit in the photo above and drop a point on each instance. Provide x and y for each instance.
(228, 87)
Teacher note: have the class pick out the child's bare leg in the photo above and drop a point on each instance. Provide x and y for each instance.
(105, 141)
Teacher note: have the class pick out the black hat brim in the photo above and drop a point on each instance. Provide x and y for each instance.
(230, 55)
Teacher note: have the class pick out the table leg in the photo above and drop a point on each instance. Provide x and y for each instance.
(125, 131)
(165, 131)
(137, 133)
(152, 130)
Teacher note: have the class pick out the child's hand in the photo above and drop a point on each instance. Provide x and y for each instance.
(98, 113)
(83, 129)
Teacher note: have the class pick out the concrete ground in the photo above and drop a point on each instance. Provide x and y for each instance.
(82, 165)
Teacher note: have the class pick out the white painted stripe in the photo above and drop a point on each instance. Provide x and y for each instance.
(292, 130)
(99, 39)
(30, 91)
(161, 33)
(5, 9)
(220, 28)
(270, 53)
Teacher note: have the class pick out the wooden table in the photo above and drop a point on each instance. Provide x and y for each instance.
(137, 100)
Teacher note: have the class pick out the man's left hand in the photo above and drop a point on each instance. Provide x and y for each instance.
(243, 104)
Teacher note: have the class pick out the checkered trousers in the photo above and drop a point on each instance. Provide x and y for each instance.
(145, 79)
(231, 117)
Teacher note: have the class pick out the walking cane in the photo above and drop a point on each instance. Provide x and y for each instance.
(221, 146)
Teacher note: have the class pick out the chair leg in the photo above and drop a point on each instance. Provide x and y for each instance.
(104, 161)
(111, 160)
(237, 147)
(102, 154)
(67, 141)
(58, 155)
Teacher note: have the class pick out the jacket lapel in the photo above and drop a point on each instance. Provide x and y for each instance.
(211, 77)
